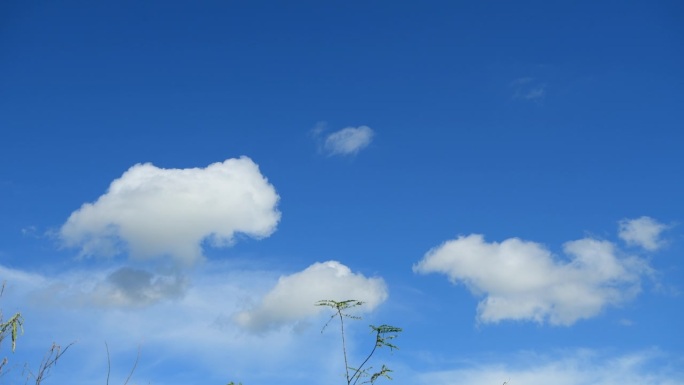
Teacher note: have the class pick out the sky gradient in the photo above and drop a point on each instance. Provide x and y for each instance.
(503, 180)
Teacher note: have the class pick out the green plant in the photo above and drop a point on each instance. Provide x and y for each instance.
(12, 327)
(383, 335)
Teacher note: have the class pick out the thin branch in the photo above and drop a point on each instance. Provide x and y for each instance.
(135, 364)
(109, 363)
(49, 361)
(344, 347)
(358, 372)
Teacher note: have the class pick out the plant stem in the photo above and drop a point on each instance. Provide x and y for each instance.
(344, 346)
(357, 374)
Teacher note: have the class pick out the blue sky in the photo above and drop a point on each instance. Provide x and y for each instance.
(503, 180)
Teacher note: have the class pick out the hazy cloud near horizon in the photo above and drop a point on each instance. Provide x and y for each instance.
(570, 367)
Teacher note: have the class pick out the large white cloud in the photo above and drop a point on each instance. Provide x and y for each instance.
(293, 297)
(522, 280)
(348, 141)
(152, 212)
(643, 232)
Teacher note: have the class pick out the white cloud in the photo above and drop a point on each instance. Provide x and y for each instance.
(348, 141)
(154, 212)
(643, 232)
(581, 367)
(522, 280)
(293, 297)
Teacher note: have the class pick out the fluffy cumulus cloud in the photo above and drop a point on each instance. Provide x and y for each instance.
(348, 141)
(643, 232)
(293, 297)
(151, 212)
(522, 280)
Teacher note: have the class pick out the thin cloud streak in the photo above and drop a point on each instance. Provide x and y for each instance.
(579, 367)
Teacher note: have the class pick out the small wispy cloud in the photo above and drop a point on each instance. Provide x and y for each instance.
(643, 232)
(318, 129)
(347, 141)
(31, 231)
(528, 88)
